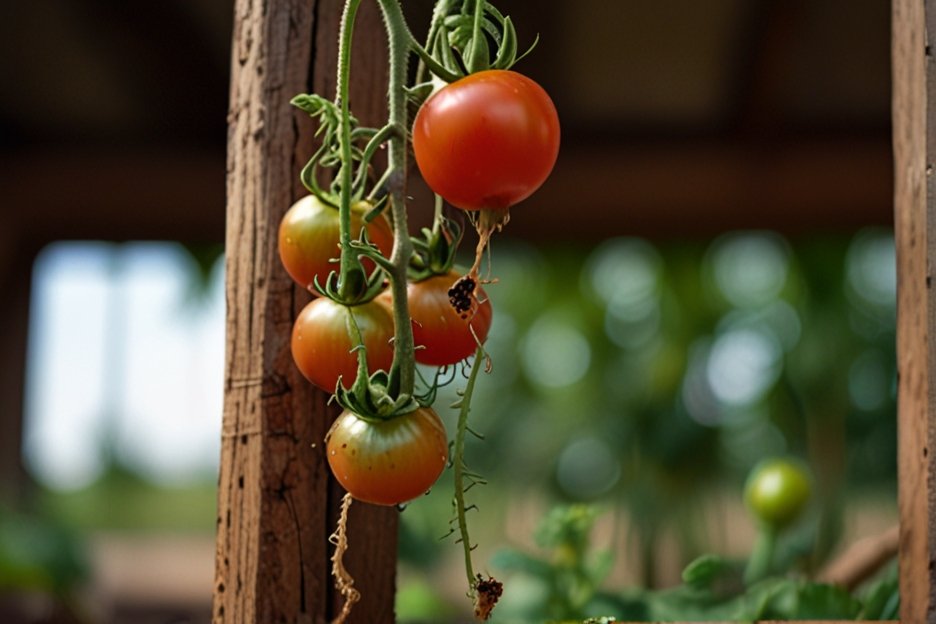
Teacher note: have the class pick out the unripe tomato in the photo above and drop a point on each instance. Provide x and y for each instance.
(441, 334)
(323, 341)
(387, 462)
(777, 491)
(488, 140)
(309, 239)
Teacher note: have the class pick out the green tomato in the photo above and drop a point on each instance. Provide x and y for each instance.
(777, 491)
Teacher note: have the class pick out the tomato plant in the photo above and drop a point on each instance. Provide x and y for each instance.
(387, 462)
(443, 335)
(777, 491)
(309, 235)
(484, 142)
(324, 341)
(488, 140)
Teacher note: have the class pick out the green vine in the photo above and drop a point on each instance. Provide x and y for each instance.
(459, 42)
(461, 472)
(352, 277)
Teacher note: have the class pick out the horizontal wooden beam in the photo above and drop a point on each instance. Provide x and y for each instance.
(657, 189)
(701, 189)
(115, 194)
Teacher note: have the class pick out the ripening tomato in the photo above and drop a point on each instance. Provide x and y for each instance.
(488, 140)
(308, 239)
(445, 335)
(387, 462)
(323, 344)
(777, 491)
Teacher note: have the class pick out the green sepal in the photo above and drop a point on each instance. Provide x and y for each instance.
(435, 250)
(369, 398)
(478, 54)
(446, 57)
(507, 50)
(417, 94)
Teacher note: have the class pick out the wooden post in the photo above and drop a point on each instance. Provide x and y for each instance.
(277, 502)
(914, 114)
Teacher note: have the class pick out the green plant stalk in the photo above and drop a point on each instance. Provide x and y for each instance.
(349, 262)
(762, 556)
(403, 371)
(437, 214)
(439, 12)
(458, 462)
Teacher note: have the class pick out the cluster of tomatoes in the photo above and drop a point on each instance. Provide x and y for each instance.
(483, 143)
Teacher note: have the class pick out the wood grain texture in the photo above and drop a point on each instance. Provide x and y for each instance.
(914, 147)
(277, 501)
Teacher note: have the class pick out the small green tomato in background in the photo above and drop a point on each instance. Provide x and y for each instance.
(777, 491)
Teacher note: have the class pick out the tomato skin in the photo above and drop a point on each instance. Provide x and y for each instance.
(322, 343)
(445, 336)
(777, 491)
(387, 462)
(309, 239)
(488, 140)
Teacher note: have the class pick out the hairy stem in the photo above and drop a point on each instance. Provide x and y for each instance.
(348, 260)
(439, 12)
(403, 371)
(458, 462)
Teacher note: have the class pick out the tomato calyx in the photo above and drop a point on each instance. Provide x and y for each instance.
(359, 287)
(471, 38)
(372, 398)
(375, 396)
(434, 251)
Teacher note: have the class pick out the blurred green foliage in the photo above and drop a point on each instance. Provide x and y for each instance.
(652, 376)
(639, 376)
(689, 361)
(571, 570)
(121, 500)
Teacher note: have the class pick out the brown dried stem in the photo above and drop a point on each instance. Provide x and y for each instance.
(343, 580)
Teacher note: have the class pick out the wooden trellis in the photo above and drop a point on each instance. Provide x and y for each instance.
(277, 504)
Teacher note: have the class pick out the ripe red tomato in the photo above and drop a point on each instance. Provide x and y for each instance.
(387, 462)
(308, 238)
(487, 141)
(323, 343)
(445, 334)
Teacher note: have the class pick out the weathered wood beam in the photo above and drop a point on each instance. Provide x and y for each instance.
(656, 188)
(701, 189)
(914, 113)
(277, 502)
(117, 194)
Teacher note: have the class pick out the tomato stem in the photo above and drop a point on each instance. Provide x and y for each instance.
(761, 561)
(351, 272)
(402, 372)
(437, 214)
(439, 12)
(458, 463)
(343, 580)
